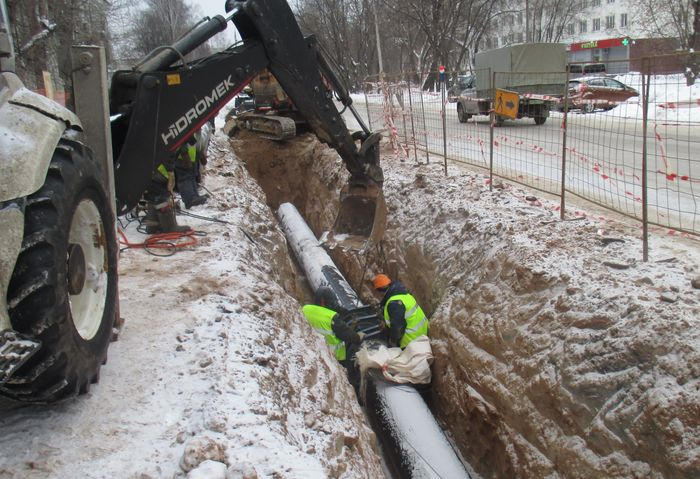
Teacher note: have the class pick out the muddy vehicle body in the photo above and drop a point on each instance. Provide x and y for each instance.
(63, 181)
(536, 72)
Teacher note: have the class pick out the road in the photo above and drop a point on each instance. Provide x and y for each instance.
(603, 156)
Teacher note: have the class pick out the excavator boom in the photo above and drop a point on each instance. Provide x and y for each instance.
(163, 100)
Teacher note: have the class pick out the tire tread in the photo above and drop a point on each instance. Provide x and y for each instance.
(38, 299)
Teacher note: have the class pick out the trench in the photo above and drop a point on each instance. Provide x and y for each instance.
(309, 175)
(497, 407)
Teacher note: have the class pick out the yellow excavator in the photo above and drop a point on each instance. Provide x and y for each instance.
(268, 111)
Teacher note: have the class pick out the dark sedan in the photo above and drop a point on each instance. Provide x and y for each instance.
(592, 93)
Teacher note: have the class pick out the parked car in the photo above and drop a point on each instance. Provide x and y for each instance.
(584, 69)
(592, 93)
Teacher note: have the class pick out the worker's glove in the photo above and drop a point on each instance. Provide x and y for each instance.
(361, 335)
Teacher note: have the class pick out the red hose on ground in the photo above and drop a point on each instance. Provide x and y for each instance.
(170, 241)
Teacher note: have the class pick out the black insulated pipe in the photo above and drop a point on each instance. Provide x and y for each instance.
(414, 445)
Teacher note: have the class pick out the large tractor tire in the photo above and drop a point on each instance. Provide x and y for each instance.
(63, 291)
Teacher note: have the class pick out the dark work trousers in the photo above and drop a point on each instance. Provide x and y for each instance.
(157, 192)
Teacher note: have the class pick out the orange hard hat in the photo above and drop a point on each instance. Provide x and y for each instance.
(381, 281)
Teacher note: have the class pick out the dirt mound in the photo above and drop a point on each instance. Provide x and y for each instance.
(551, 360)
(301, 171)
(558, 353)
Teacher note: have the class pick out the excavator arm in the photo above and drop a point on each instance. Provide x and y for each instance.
(163, 100)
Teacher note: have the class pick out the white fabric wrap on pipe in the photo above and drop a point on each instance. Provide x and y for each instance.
(309, 253)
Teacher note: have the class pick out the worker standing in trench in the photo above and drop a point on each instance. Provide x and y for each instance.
(160, 213)
(402, 314)
(187, 169)
(326, 317)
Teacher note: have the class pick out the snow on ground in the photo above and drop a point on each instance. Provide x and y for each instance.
(558, 352)
(214, 359)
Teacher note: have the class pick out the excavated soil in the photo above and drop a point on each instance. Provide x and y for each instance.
(558, 353)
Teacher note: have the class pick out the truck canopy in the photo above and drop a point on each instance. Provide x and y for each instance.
(535, 68)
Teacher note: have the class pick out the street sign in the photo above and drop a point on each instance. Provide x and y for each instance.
(441, 70)
(605, 43)
(506, 103)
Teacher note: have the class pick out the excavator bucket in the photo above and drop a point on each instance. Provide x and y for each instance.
(362, 212)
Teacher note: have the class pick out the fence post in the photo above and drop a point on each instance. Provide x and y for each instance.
(492, 126)
(413, 127)
(565, 126)
(402, 104)
(369, 115)
(425, 127)
(444, 124)
(646, 82)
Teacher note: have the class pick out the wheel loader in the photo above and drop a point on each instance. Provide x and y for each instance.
(65, 175)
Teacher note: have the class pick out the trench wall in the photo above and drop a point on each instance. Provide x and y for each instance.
(545, 364)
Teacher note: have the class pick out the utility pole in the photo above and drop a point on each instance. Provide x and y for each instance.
(379, 46)
(527, 21)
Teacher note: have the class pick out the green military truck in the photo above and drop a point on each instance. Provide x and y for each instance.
(535, 71)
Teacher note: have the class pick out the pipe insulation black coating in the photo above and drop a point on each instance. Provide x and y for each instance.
(414, 445)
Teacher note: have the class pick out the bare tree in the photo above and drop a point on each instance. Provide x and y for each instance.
(120, 32)
(678, 19)
(43, 32)
(162, 22)
(439, 23)
(479, 15)
(341, 27)
(547, 19)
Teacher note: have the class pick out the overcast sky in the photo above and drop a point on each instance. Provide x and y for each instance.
(211, 8)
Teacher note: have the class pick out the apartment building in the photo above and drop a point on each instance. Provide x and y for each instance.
(596, 31)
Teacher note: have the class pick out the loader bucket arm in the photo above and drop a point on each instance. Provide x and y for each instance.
(300, 67)
(160, 103)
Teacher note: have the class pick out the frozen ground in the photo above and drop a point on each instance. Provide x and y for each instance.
(215, 357)
(557, 354)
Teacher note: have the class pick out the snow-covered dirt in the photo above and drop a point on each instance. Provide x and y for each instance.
(214, 362)
(558, 353)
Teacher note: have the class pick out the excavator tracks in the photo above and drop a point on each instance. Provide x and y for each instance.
(278, 128)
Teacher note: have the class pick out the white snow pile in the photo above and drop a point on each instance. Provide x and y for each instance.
(215, 375)
(558, 351)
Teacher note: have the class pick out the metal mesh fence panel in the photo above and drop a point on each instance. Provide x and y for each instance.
(673, 145)
(604, 141)
(528, 149)
(608, 133)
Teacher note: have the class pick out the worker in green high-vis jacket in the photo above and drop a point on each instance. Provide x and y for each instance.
(403, 316)
(326, 318)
